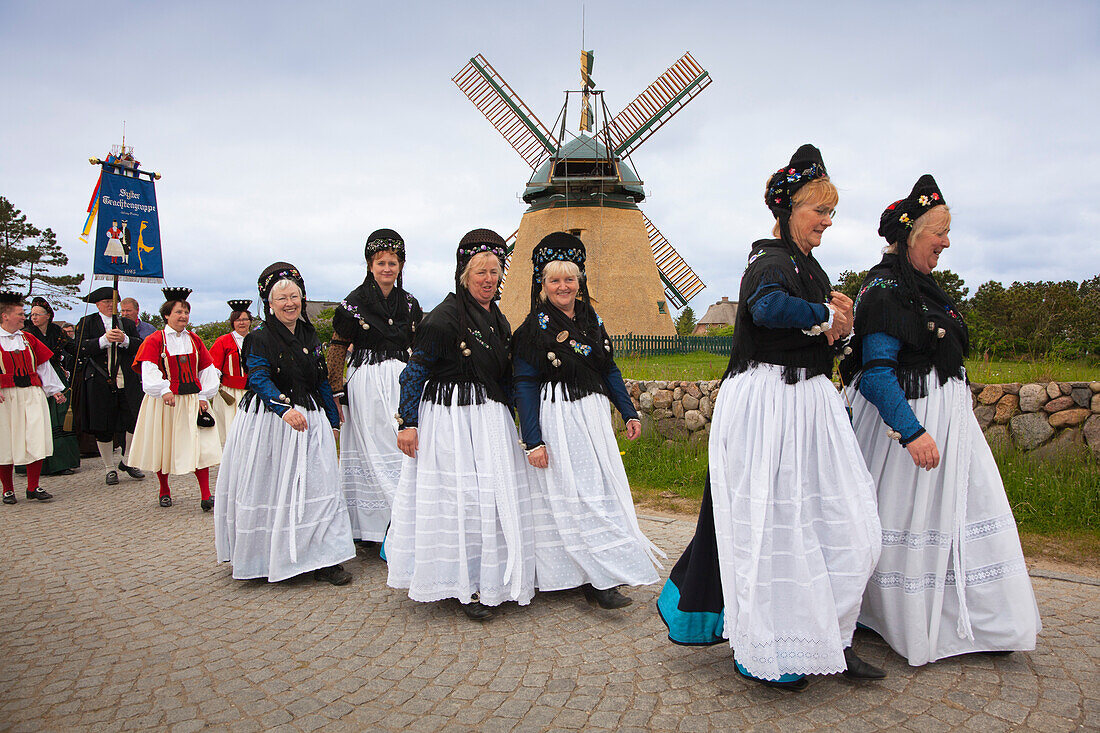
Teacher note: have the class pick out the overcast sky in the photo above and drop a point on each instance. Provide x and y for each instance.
(290, 130)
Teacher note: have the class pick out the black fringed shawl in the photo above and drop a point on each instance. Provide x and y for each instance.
(584, 352)
(801, 356)
(296, 364)
(883, 306)
(486, 373)
(378, 327)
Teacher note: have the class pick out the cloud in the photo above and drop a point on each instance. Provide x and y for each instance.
(290, 132)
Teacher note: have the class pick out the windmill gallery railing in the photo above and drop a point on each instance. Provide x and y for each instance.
(638, 345)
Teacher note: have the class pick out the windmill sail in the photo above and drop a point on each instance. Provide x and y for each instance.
(511, 242)
(662, 99)
(511, 117)
(680, 281)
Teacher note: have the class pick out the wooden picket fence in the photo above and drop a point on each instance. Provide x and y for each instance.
(637, 345)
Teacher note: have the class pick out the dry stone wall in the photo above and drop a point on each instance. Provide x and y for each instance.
(1052, 418)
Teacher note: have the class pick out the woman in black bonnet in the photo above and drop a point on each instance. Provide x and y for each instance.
(461, 526)
(373, 332)
(279, 510)
(586, 531)
(66, 451)
(952, 578)
(787, 534)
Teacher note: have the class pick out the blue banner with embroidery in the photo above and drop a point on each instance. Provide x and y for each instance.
(127, 242)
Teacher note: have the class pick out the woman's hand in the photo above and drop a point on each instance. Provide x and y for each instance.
(924, 452)
(339, 412)
(633, 429)
(169, 399)
(295, 419)
(538, 457)
(841, 305)
(408, 442)
(59, 398)
(203, 405)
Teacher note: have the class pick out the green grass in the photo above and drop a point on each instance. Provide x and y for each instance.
(1056, 502)
(700, 366)
(1045, 370)
(665, 476)
(1051, 495)
(696, 366)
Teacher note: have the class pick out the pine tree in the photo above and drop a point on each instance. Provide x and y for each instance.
(27, 257)
(685, 324)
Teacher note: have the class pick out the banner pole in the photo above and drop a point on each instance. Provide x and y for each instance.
(114, 324)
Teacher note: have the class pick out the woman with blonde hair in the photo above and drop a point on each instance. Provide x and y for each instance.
(787, 534)
(586, 531)
(460, 526)
(952, 578)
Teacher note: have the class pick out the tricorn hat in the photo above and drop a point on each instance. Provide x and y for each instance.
(897, 220)
(103, 293)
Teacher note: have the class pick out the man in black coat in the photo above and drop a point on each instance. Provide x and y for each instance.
(111, 394)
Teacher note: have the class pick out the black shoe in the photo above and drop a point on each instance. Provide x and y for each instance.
(207, 504)
(793, 686)
(65, 472)
(112, 478)
(9, 497)
(165, 501)
(477, 611)
(859, 669)
(334, 574)
(39, 494)
(131, 471)
(609, 598)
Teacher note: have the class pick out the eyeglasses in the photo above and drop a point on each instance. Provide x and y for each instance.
(824, 212)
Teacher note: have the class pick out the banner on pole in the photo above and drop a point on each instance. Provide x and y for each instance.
(127, 241)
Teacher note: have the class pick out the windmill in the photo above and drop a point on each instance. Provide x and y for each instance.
(587, 187)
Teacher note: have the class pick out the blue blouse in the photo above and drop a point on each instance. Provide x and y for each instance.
(879, 384)
(259, 381)
(412, 379)
(527, 389)
(773, 307)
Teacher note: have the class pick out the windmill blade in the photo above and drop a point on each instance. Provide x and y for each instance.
(680, 281)
(513, 119)
(511, 242)
(655, 106)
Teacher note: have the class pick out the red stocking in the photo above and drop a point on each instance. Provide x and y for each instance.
(203, 475)
(5, 477)
(34, 470)
(163, 479)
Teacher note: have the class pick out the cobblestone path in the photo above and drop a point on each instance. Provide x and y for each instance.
(116, 616)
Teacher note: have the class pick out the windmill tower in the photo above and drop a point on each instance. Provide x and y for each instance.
(585, 186)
